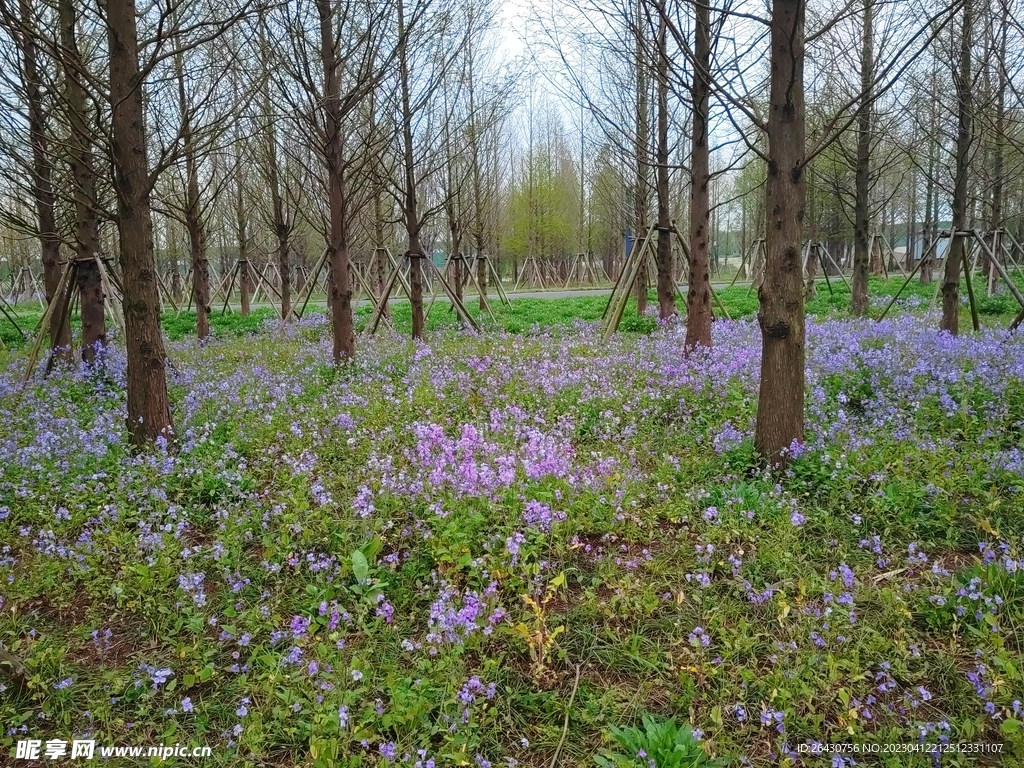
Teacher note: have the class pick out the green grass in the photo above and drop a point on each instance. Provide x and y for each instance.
(648, 456)
(529, 315)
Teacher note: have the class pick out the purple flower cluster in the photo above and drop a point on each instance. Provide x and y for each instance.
(455, 617)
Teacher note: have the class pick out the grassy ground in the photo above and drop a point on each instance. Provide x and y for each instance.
(527, 315)
(472, 550)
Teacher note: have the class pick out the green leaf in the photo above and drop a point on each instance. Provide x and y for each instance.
(360, 566)
(372, 548)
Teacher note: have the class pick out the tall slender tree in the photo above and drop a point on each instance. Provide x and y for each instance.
(86, 234)
(149, 410)
(698, 294)
(780, 404)
(862, 213)
(666, 226)
(25, 28)
(962, 79)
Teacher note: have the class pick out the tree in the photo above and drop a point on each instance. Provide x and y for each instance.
(666, 226)
(642, 138)
(426, 53)
(193, 209)
(149, 410)
(283, 201)
(86, 236)
(24, 28)
(780, 403)
(698, 292)
(862, 221)
(964, 140)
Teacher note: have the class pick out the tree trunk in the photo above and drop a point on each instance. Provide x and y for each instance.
(197, 252)
(242, 220)
(282, 226)
(908, 264)
(410, 206)
(666, 281)
(481, 270)
(149, 411)
(42, 172)
(94, 332)
(379, 261)
(698, 292)
(244, 282)
(931, 213)
(780, 405)
(642, 144)
(999, 138)
(863, 245)
(456, 255)
(951, 276)
(194, 210)
(337, 245)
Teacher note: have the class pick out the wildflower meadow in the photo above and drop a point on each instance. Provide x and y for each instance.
(511, 549)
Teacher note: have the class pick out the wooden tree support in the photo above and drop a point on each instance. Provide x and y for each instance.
(756, 258)
(63, 300)
(9, 312)
(817, 248)
(532, 269)
(679, 288)
(389, 286)
(311, 281)
(616, 306)
(469, 274)
(241, 272)
(460, 307)
(886, 251)
(581, 271)
(977, 239)
(166, 295)
(495, 278)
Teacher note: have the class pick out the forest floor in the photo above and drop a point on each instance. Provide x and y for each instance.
(491, 550)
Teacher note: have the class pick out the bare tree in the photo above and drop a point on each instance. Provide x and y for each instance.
(698, 294)
(780, 406)
(433, 46)
(86, 238)
(25, 28)
(149, 410)
(962, 79)
(862, 222)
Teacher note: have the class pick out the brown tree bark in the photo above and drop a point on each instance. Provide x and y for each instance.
(666, 283)
(780, 404)
(410, 205)
(999, 137)
(282, 223)
(242, 221)
(456, 257)
(931, 198)
(194, 209)
(149, 410)
(642, 148)
(42, 173)
(862, 244)
(951, 276)
(698, 292)
(94, 332)
(342, 327)
(197, 250)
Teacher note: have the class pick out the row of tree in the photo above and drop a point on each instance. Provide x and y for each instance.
(277, 131)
